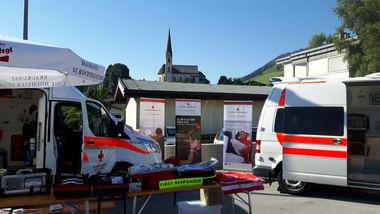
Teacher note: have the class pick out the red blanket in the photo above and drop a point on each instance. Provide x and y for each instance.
(234, 182)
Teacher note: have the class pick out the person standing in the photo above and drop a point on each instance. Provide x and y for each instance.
(159, 137)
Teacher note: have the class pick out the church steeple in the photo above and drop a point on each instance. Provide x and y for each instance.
(168, 63)
(169, 47)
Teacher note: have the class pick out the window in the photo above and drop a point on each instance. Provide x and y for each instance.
(98, 120)
(314, 120)
(171, 132)
(68, 117)
(279, 122)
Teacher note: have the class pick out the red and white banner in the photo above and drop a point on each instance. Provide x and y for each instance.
(152, 115)
(237, 135)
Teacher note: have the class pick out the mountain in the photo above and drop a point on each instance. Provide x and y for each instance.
(270, 69)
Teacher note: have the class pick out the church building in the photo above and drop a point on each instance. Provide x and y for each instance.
(173, 73)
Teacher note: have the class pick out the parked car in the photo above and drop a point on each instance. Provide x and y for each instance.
(219, 136)
(169, 135)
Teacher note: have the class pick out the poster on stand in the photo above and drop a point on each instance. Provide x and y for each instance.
(152, 119)
(237, 137)
(188, 130)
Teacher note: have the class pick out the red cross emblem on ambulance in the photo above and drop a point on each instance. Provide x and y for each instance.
(101, 156)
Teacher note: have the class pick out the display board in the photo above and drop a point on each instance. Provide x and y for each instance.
(188, 130)
(237, 135)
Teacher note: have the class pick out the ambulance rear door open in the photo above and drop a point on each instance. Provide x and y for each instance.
(314, 136)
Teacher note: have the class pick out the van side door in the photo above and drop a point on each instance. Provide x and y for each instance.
(314, 136)
(100, 142)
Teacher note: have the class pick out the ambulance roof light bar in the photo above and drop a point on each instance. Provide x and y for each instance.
(284, 79)
(293, 79)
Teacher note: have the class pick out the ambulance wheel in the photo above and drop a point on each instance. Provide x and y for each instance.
(121, 166)
(293, 187)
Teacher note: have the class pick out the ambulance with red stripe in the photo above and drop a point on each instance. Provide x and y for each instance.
(61, 129)
(320, 131)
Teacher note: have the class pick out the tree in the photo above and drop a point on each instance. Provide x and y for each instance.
(222, 80)
(362, 18)
(329, 39)
(317, 40)
(114, 72)
(237, 81)
(94, 92)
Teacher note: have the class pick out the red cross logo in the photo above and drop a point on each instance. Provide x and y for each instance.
(237, 109)
(152, 106)
(101, 155)
(188, 104)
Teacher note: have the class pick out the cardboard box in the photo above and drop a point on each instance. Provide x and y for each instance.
(213, 196)
(197, 207)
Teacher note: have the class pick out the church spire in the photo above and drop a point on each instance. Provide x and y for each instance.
(169, 47)
(168, 63)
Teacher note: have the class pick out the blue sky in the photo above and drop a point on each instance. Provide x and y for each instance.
(224, 37)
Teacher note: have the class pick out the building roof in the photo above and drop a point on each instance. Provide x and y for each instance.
(182, 69)
(154, 89)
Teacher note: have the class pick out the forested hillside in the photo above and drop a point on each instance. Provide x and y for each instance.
(270, 69)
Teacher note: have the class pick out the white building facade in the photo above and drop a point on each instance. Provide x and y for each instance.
(323, 61)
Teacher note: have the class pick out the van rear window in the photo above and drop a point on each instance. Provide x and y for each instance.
(279, 123)
(314, 120)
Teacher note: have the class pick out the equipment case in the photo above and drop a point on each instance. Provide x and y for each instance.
(71, 185)
(109, 184)
(26, 181)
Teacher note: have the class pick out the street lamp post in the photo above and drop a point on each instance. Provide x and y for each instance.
(25, 20)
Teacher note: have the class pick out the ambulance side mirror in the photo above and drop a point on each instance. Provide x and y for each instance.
(119, 128)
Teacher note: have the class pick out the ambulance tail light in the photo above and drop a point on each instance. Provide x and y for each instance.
(258, 142)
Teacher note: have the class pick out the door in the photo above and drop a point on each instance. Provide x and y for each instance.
(100, 143)
(68, 135)
(315, 136)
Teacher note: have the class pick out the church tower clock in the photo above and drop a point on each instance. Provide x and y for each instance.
(168, 63)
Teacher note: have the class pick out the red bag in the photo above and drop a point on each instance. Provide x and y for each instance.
(234, 182)
(152, 180)
(173, 160)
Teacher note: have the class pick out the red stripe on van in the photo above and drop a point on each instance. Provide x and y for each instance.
(281, 102)
(314, 152)
(294, 83)
(313, 140)
(112, 142)
(280, 137)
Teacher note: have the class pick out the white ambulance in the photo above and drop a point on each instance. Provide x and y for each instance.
(61, 129)
(46, 122)
(323, 131)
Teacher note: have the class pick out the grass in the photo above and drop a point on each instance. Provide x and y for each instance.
(271, 72)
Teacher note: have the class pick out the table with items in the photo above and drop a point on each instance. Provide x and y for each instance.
(157, 178)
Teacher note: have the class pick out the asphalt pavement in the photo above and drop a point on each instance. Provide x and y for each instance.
(322, 199)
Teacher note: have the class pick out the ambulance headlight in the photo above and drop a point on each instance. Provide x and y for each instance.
(151, 146)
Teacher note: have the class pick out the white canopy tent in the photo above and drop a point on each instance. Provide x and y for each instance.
(26, 64)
